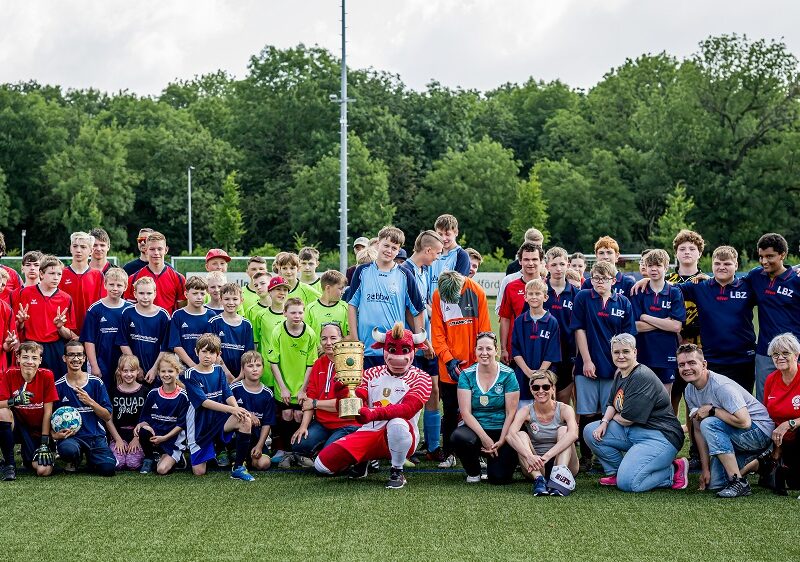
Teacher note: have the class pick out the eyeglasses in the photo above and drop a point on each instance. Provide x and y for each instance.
(142, 239)
(538, 387)
(74, 355)
(602, 279)
(486, 335)
(784, 354)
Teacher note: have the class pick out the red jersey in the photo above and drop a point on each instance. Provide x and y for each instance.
(42, 310)
(322, 385)
(14, 283)
(7, 324)
(782, 400)
(512, 306)
(85, 289)
(42, 386)
(170, 287)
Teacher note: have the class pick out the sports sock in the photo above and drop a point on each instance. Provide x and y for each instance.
(242, 448)
(399, 439)
(432, 426)
(7, 443)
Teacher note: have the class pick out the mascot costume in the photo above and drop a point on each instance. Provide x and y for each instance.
(393, 395)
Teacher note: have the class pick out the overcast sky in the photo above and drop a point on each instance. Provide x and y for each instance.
(142, 45)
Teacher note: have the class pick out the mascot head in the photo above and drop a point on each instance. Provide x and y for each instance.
(398, 346)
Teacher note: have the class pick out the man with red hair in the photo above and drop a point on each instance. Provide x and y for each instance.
(393, 396)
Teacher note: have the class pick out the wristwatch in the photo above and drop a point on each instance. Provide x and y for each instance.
(314, 404)
(712, 412)
(792, 424)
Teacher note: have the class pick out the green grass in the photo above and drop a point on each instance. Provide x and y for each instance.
(294, 515)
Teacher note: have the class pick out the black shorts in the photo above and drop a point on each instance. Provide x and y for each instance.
(564, 376)
(430, 366)
(27, 439)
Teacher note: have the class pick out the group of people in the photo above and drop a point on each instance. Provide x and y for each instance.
(588, 366)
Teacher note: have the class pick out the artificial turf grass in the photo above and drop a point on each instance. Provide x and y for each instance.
(294, 514)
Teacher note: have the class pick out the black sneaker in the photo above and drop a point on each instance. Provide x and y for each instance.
(358, 471)
(737, 487)
(147, 466)
(9, 473)
(695, 465)
(396, 479)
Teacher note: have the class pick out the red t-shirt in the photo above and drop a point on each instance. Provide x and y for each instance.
(7, 324)
(323, 386)
(782, 401)
(42, 386)
(85, 289)
(170, 287)
(14, 282)
(42, 310)
(512, 306)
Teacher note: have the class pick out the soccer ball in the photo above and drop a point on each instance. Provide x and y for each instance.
(66, 417)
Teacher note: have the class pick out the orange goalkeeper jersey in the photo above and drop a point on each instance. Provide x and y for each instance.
(455, 327)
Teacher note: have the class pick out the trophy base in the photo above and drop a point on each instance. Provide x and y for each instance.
(349, 407)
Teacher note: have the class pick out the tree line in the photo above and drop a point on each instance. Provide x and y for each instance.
(659, 143)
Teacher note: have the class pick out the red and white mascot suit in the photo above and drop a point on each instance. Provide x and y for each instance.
(394, 395)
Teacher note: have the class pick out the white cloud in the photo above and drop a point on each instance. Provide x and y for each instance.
(141, 46)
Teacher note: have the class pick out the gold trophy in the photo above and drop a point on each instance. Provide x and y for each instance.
(348, 360)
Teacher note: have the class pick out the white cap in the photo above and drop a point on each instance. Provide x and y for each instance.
(561, 479)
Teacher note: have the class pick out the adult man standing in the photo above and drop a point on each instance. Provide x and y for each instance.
(138, 263)
(530, 255)
(730, 425)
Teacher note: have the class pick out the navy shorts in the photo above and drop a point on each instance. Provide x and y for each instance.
(430, 366)
(665, 374)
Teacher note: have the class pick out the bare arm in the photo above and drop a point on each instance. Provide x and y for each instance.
(665, 324)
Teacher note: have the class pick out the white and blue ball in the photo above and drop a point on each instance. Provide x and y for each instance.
(66, 417)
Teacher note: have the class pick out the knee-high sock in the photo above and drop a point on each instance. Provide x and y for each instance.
(7, 443)
(146, 444)
(242, 448)
(432, 426)
(399, 438)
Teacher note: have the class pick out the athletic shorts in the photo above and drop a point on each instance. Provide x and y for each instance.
(206, 452)
(27, 439)
(430, 366)
(371, 445)
(564, 376)
(591, 395)
(665, 374)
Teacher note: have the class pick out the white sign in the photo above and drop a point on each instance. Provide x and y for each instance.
(489, 282)
(238, 277)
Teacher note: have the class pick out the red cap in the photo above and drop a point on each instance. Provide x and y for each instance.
(276, 282)
(217, 253)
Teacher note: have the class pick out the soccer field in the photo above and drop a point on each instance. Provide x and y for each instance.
(293, 514)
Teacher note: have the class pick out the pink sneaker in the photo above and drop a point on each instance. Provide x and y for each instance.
(609, 480)
(680, 479)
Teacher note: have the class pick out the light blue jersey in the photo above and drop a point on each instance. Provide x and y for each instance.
(382, 298)
(456, 259)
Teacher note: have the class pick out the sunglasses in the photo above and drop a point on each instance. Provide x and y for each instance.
(538, 387)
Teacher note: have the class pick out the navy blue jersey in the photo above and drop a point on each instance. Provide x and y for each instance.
(601, 322)
(560, 306)
(185, 328)
(145, 335)
(382, 298)
(622, 284)
(657, 347)
(726, 319)
(91, 425)
(100, 327)
(535, 341)
(261, 403)
(235, 341)
(164, 412)
(778, 301)
(204, 425)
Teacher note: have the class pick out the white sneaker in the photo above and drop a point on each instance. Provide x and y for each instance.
(449, 462)
(473, 479)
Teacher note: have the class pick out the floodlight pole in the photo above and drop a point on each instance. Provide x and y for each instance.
(189, 174)
(343, 155)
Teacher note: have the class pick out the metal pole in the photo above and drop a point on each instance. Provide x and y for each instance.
(22, 250)
(189, 173)
(343, 156)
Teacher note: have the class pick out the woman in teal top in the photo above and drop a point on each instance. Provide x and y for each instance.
(488, 395)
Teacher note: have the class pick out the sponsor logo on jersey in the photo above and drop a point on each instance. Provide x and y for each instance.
(784, 291)
(68, 282)
(387, 392)
(155, 406)
(240, 401)
(221, 333)
(34, 301)
(796, 402)
(377, 297)
(66, 399)
(133, 325)
(184, 325)
(103, 319)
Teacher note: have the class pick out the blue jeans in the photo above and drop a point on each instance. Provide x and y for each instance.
(98, 454)
(726, 439)
(318, 437)
(647, 459)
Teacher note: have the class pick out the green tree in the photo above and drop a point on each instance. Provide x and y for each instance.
(529, 210)
(227, 223)
(91, 184)
(679, 205)
(479, 187)
(4, 201)
(314, 196)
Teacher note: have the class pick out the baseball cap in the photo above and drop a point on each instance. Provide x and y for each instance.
(561, 479)
(401, 255)
(217, 253)
(276, 282)
(361, 241)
